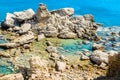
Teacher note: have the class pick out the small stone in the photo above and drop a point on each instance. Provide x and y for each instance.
(60, 66)
(40, 37)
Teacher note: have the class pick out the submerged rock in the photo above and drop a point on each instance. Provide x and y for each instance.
(98, 47)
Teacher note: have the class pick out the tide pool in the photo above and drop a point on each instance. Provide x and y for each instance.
(71, 46)
(105, 11)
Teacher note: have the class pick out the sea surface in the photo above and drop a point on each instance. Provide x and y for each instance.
(104, 11)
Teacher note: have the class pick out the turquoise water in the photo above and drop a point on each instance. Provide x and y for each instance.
(105, 11)
(6, 67)
(72, 46)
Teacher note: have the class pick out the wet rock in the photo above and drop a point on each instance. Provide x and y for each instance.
(25, 28)
(24, 15)
(42, 13)
(17, 76)
(51, 49)
(40, 37)
(60, 66)
(98, 47)
(98, 57)
(64, 11)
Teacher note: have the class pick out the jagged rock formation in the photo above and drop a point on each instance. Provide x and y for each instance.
(57, 23)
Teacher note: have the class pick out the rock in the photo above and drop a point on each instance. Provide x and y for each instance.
(4, 54)
(40, 37)
(48, 43)
(64, 11)
(84, 57)
(51, 49)
(9, 45)
(54, 55)
(63, 58)
(114, 66)
(38, 69)
(65, 34)
(42, 13)
(98, 47)
(51, 32)
(24, 15)
(60, 66)
(17, 76)
(89, 17)
(25, 28)
(98, 57)
(10, 21)
(112, 53)
(26, 38)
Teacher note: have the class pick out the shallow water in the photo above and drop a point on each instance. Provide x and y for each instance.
(72, 46)
(6, 67)
(105, 11)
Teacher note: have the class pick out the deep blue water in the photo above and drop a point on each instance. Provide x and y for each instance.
(105, 11)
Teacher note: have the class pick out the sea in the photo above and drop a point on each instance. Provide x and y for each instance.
(106, 12)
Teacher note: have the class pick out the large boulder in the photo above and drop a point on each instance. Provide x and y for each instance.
(10, 21)
(42, 13)
(64, 11)
(25, 28)
(17, 76)
(99, 57)
(24, 15)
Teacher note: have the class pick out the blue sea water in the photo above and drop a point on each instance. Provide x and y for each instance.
(105, 11)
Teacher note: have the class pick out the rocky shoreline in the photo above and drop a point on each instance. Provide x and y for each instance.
(33, 40)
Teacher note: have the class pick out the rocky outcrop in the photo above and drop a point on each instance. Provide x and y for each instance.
(114, 66)
(99, 57)
(17, 76)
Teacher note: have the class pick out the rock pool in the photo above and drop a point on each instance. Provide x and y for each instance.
(72, 46)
